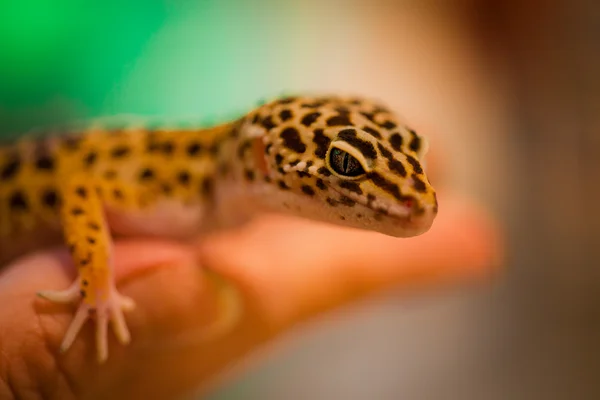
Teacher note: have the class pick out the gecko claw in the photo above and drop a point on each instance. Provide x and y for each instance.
(105, 312)
(61, 296)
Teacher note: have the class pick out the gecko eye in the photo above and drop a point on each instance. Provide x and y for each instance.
(344, 164)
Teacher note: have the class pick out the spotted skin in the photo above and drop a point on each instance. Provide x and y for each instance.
(343, 160)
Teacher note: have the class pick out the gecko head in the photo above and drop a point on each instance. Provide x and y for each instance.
(349, 162)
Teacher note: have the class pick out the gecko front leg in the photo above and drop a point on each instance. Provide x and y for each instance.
(88, 238)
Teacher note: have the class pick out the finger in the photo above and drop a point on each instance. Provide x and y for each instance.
(304, 258)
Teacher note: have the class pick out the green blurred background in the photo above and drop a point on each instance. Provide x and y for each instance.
(174, 59)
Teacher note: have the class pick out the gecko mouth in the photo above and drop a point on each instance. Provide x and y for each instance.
(405, 213)
(409, 218)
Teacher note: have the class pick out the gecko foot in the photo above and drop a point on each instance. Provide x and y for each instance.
(110, 309)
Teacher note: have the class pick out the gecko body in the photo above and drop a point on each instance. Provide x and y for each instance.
(342, 160)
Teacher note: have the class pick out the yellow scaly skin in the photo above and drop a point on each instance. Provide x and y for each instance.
(346, 161)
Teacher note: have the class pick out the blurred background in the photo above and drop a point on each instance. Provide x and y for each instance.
(509, 95)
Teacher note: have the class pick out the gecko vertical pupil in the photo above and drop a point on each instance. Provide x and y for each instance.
(344, 164)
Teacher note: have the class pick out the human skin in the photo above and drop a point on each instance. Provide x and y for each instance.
(286, 271)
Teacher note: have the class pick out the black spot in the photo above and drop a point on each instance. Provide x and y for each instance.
(370, 198)
(167, 148)
(415, 164)
(184, 177)
(71, 143)
(81, 192)
(396, 141)
(339, 120)
(93, 226)
(152, 147)
(85, 261)
(315, 104)
(351, 186)
(373, 132)
(110, 174)
(50, 198)
(146, 174)
(75, 211)
(249, 174)
(45, 163)
(280, 170)
(90, 158)
(303, 174)
(244, 145)
(223, 168)
(268, 147)
(235, 131)
(320, 184)
(347, 201)
(278, 159)
(214, 149)
(82, 292)
(322, 143)
(166, 188)
(18, 201)
(268, 123)
(342, 109)
(120, 152)
(310, 118)
(369, 116)
(207, 186)
(397, 167)
(418, 184)
(388, 125)
(283, 185)
(324, 171)
(332, 202)
(285, 115)
(291, 140)
(91, 240)
(385, 152)
(255, 119)
(386, 185)
(415, 144)
(84, 282)
(308, 190)
(393, 164)
(118, 194)
(342, 218)
(382, 211)
(366, 148)
(193, 148)
(286, 100)
(11, 168)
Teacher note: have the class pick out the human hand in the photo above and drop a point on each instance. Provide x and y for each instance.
(286, 271)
